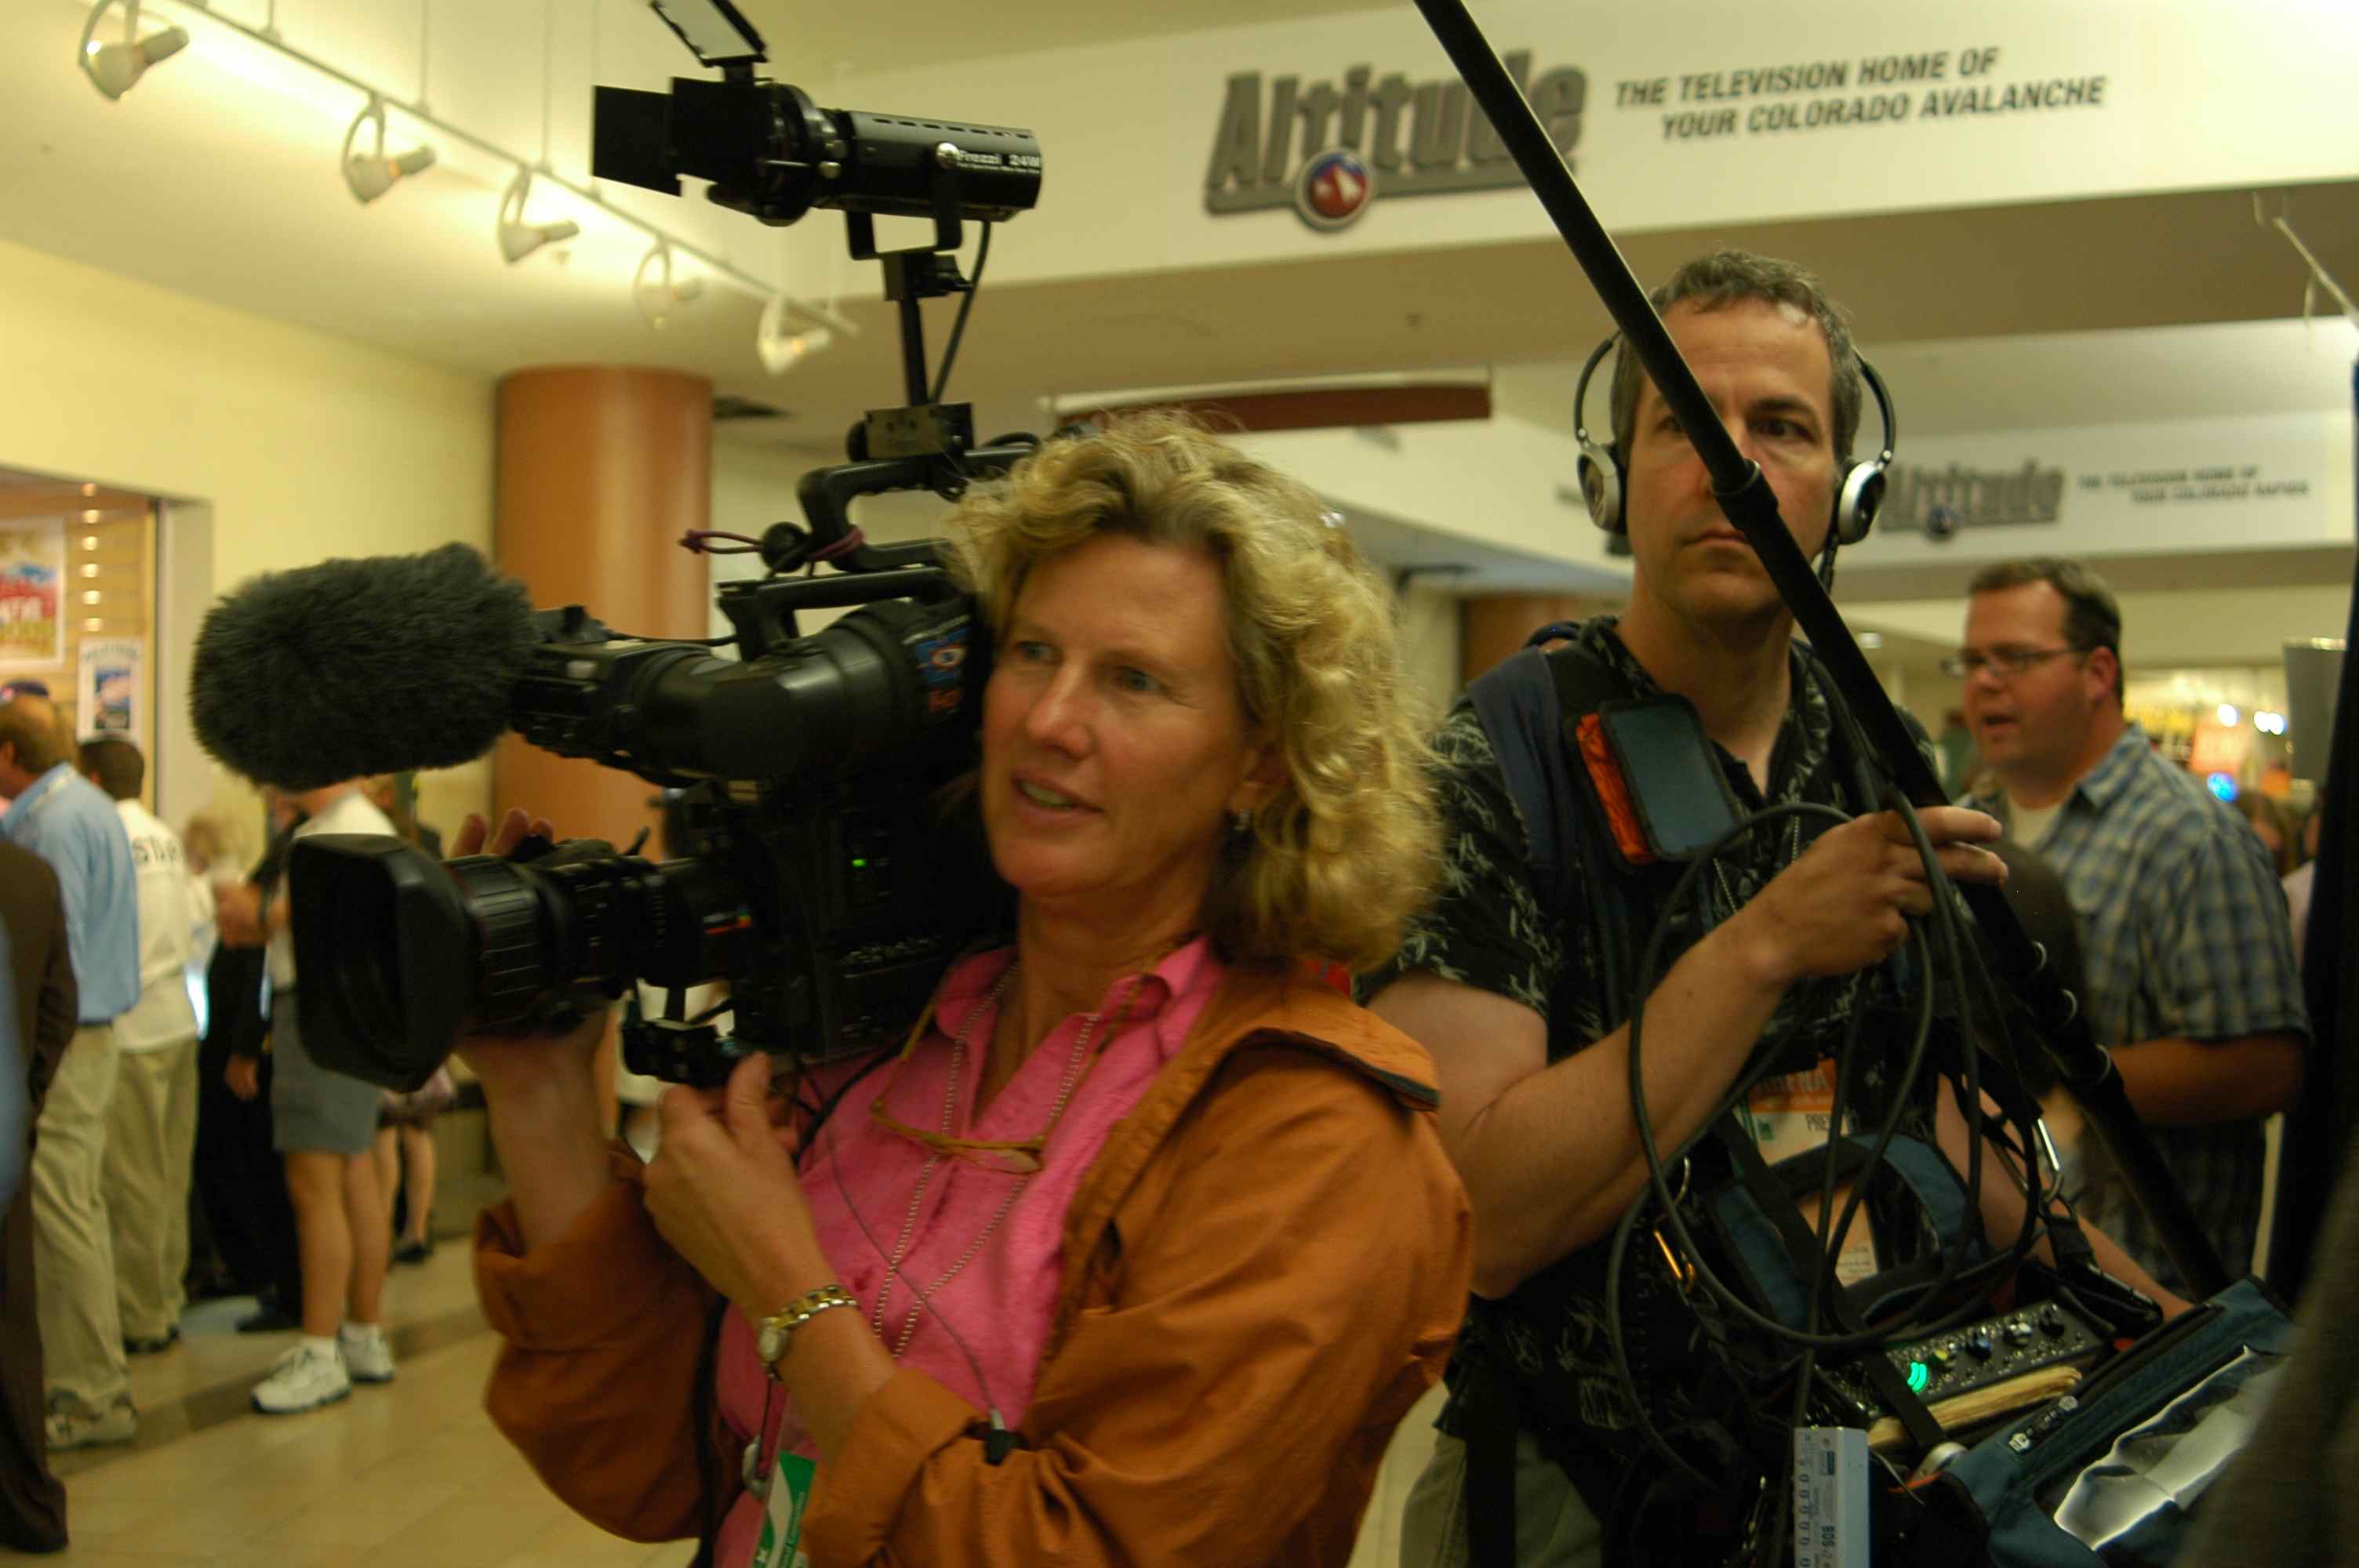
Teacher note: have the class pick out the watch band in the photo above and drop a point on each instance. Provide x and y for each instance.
(776, 1331)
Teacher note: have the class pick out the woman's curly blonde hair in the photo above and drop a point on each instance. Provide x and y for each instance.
(1349, 847)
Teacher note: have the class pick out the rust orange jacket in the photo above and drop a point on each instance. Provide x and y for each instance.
(1263, 1269)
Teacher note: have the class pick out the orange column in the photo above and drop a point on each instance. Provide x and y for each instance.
(1494, 627)
(601, 471)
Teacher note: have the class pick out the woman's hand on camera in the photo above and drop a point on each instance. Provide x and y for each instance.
(516, 1066)
(475, 838)
(722, 1189)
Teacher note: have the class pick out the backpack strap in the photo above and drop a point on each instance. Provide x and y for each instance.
(1521, 710)
(1531, 707)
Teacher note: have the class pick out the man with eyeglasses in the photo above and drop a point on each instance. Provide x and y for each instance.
(2191, 979)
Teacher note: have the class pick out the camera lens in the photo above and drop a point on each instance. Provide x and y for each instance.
(400, 954)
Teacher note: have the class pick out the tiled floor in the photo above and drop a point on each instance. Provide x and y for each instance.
(406, 1475)
(409, 1476)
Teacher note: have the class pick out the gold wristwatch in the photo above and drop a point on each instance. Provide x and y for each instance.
(778, 1329)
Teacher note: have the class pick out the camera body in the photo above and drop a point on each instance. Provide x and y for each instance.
(836, 870)
(770, 152)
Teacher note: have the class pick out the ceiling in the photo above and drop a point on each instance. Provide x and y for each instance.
(216, 180)
(807, 39)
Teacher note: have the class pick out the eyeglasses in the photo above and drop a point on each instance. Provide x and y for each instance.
(2005, 663)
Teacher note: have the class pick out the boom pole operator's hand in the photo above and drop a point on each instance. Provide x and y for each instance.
(1844, 905)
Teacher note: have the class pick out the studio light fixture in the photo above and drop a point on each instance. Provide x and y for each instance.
(369, 171)
(112, 69)
(655, 291)
(519, 239)
(781, 350)
(371, 174)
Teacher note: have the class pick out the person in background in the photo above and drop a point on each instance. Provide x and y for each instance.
(325, 1123)
(151, 1130)
(405, 1162)
(2270, 825)
(61, 816)
(241, 1182)
(1164, 1242)
(1527, 1006)
(42, 1012)
(2191, 982)
(405, 1133)
(2297, 882)
(204, 840)
(396, 795)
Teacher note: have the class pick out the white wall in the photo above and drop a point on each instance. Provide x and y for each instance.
(2198, 95)
(2258, 482)
(1430, 645)
(1494, 482)
(303, 446)
(753, 487)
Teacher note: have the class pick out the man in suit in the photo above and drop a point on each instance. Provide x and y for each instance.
(37, 1023)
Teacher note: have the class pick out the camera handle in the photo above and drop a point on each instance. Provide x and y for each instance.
(921, 445)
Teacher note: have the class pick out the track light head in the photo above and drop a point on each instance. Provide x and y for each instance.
(371, 174)
(780, 350)
(655, 291)
(371, 178)
(114, 69)
(519, 239)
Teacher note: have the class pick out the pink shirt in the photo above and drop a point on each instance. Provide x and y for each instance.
(999, 1297)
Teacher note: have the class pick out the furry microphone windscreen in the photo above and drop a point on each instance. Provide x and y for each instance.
(308, 677)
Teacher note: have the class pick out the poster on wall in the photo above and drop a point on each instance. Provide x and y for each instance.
(32, 584)
(108, 693)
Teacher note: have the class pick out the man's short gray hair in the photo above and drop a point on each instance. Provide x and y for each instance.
(1725, 277)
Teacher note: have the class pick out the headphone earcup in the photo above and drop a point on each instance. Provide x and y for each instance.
(1601, 485)
(1857, 500)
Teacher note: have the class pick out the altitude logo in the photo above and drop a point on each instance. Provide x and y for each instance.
(1329, 154)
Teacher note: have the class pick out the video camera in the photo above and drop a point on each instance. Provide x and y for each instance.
(834, 876)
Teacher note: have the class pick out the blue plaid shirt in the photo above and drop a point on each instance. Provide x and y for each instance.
(2184, 933)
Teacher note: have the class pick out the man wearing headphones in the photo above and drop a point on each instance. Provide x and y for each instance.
(1510, 993)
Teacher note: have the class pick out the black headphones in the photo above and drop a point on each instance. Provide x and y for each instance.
(1856, 498)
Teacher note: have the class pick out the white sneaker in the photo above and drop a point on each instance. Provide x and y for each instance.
(72, 1424)
(305, 1378)
(368, 1353)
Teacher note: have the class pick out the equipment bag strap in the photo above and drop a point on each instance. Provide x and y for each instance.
(2004, 1089)
(1802, 1251)
(1531, 707)
(1490, 1485)
(1527, 705)
(1524, 707)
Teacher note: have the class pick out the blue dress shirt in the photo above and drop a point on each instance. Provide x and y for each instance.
(69, 822)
